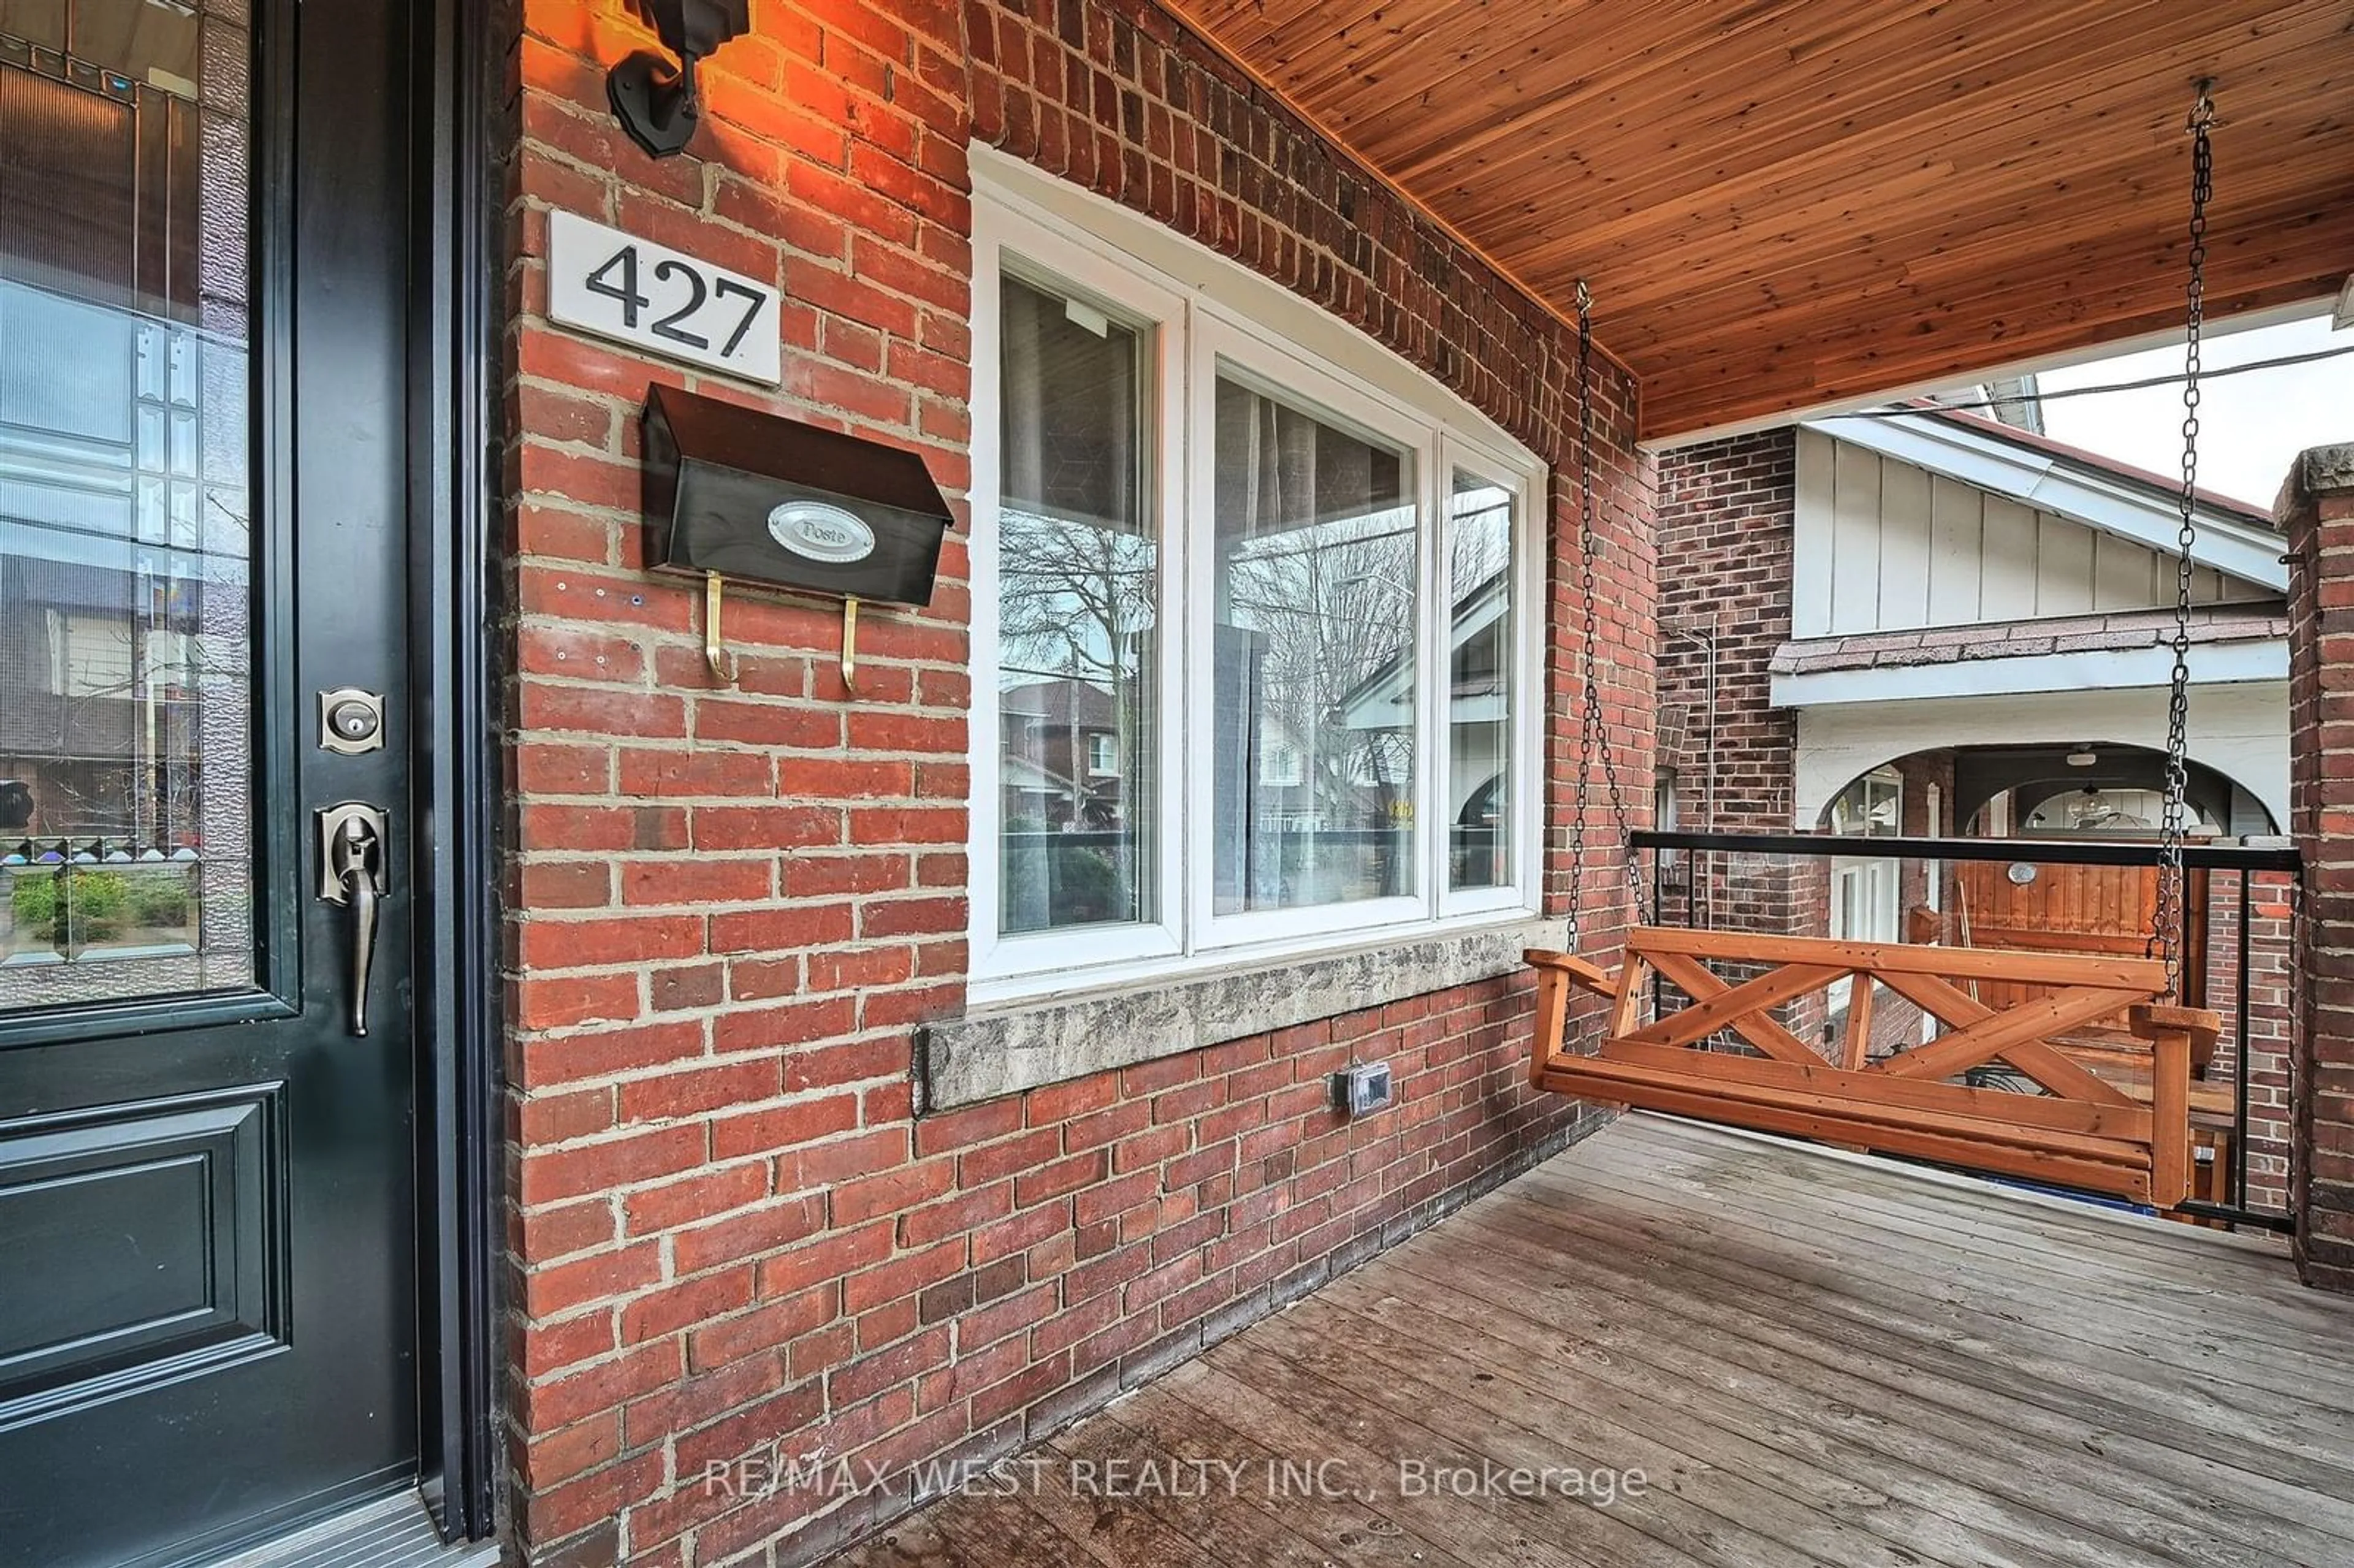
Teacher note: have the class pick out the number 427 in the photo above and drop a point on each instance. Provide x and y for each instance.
(633, 300)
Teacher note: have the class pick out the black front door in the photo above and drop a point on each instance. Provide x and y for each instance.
(209, 1232)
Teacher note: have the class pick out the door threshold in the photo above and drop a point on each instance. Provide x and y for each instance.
(397, 1532)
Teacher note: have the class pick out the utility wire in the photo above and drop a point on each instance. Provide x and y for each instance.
(2171, 380)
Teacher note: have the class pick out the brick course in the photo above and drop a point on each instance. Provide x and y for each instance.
(2317, 514)
(730, 1239)
(1725, 520)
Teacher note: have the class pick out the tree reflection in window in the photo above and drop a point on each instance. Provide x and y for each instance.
(1078, 565)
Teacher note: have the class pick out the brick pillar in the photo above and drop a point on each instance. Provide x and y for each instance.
(2316, 513)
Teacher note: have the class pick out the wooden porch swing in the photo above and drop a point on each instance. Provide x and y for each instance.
(2082, 1130)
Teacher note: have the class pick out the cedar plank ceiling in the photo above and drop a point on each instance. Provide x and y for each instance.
(1780, 206)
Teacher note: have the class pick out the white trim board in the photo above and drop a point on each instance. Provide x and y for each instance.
(2051, 483)
(2240, 731)
(2098, 669)
(1204, 319)
(1225, 288)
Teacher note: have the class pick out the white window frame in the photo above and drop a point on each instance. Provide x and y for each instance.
(1877, 882)
(1523, 478)
(1158, 313)
(1199, 311)
(1880, 878)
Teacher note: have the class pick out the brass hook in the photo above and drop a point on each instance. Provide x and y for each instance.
(850, 643)
(723, 668)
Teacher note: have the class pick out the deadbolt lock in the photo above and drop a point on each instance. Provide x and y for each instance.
(351, 721)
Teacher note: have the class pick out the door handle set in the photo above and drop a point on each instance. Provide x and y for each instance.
(353, 837)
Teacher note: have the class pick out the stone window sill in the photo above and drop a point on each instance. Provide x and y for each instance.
(1025, 1045)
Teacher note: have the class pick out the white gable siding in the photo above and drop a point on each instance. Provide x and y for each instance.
(1882, 545)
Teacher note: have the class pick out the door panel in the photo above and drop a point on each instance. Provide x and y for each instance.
(207, 1310)
(142, 1238)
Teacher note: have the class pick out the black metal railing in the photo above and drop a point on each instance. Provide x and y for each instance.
(2235, 941)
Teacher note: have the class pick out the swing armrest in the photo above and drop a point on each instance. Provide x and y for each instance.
(2176, 1035)
(2152, 1021)
(1593, 977)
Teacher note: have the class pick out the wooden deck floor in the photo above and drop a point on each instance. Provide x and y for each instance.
(1810, 1359)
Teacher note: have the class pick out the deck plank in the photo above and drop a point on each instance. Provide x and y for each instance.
(2071, 1342)
(1936, 1417)
(1706, 1513)
(2244, 1264)
(1513, 1372)
(1814, 1359)
(1843, 1308)
(1344, 1528)
(2078, 1303)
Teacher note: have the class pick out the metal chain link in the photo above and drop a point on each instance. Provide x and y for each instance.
(1593, 738)
(2166, 937)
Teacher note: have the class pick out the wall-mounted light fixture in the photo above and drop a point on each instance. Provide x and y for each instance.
(655, 100)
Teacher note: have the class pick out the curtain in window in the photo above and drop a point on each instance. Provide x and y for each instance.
(1314, 794)
(1077, 600)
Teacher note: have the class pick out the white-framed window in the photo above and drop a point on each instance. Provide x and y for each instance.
(1872, 807)
(1863, 900)
(1866, 895)
(1255, 618)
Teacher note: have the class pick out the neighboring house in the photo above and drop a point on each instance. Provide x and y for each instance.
(1972, 609)
(123, 629)
(106, 561)
(1959, 583)
(1063, 742)
(1924, 622)
(1480, 629)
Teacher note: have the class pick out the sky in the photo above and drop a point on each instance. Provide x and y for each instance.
(2251, 426)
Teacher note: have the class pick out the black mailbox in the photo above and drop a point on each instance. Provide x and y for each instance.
(764, 498)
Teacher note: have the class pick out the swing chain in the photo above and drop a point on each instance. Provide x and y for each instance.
(2167, 936)
(1593, 733)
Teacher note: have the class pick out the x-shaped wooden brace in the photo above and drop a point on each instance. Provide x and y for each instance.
(1741, 1008)
(2020, 1035)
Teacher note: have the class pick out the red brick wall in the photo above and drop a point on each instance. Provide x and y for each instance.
(730, 1239)
(1724, 520)
(2318, 519)
(2269, 1004)
(1725, 543)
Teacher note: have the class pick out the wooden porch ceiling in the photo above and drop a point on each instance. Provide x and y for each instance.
(1779, 205)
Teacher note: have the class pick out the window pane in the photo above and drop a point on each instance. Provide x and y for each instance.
(1078, 571)
(1872, 806)
(1480, 683)
(1313, 710)
(126, 808)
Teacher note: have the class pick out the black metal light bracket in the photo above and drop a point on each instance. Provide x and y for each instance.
(653, 98)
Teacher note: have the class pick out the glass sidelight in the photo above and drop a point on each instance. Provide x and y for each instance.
(1317, 593)
(126, 507)
(1483, 629)
(1078, 572)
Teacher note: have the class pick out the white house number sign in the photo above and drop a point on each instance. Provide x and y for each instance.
(659, 299)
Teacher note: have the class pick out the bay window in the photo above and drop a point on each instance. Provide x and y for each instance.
(1254, 656)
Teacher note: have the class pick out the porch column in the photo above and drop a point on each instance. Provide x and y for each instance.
(2316, 512)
